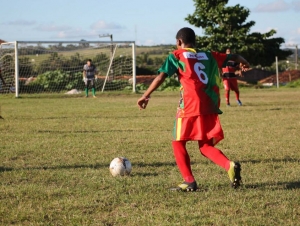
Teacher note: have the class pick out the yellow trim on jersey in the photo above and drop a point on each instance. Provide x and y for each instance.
(191, 50)
(178, 129)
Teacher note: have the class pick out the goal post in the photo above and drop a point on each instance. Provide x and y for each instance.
(57, 66)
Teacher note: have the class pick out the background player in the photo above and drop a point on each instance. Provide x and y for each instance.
(230, 80)
(89, 73)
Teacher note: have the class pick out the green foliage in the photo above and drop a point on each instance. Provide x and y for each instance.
(294, 84)
(147, 65)
(25, 67)
(169, 84)
(141, 86)
(99, 61)
(55, 81)
(226, 27)
(144, 70)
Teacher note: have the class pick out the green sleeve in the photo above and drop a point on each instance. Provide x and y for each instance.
(170, 66)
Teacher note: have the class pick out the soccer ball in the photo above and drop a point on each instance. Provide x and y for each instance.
(120, 166)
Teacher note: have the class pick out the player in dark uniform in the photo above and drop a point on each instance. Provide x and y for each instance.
(89, 73)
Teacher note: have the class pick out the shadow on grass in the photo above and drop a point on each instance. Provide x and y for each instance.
(91, 166)
(79, 166)
(155, 164)
(143, 174)
(274, 186)
(98, 131)
(284, 160)
(96, 117)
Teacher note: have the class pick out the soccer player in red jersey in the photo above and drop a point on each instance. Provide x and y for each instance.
(230, 80)
(197, 114)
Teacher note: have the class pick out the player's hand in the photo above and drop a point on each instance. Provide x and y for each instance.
(244, 67)
(142, 102)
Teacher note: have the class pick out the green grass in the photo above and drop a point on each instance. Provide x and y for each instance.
(55, 153)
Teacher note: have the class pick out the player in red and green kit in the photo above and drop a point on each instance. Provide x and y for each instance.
(197, 114)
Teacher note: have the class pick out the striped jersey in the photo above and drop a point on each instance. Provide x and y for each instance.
(228, 71)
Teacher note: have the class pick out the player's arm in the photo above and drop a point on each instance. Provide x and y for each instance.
(143, 101)
(244, 65)
(84, 71)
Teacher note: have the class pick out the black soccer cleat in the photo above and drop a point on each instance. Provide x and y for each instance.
(185, 186)
(234, 174)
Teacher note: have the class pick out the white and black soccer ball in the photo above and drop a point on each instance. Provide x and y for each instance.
(120, 166)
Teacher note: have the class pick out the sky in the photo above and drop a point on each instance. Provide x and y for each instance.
(151, 22)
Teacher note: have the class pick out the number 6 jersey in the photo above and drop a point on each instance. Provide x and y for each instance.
(198, 74)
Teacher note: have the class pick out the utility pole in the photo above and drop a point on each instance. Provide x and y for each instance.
(296, 57)
(111, 39)
(111, 49)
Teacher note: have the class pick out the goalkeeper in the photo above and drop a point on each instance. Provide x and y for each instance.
(89, 75)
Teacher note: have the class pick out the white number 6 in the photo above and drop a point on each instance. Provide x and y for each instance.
(201, 74)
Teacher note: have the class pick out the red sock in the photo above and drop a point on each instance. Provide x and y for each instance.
(215, 155)
(227, 96)
(183, 160)
(237, 95)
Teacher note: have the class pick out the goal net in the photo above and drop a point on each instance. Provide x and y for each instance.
(47, 67)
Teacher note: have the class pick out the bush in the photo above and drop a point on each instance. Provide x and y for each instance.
(294, 84)
(56, 81)
(169, 84)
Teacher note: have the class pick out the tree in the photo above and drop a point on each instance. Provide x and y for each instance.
(226, 27)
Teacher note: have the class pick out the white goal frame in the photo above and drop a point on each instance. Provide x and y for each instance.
(116, 43)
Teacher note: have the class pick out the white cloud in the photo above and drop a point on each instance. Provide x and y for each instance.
(76, 34)
(20, 22)
(104, 25)
(275, 6)
(295, 5)
(68, 32)
(149, 42)
(292, 38)
(52, 27)
(291, 42)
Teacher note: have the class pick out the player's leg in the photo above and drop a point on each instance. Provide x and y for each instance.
(93, 87)
(182, 157)
(212, 134)
(208, 150)
(86, 87)
(217, 156)
(227, 90)
(234, 86)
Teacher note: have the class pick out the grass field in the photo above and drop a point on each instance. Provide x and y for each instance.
(55, 153)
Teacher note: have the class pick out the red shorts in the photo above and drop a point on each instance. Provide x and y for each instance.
(202, 128)
(231, 84)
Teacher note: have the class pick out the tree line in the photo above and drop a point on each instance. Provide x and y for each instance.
(226, 27)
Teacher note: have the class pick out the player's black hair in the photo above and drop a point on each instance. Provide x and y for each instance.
(89, 60)
(187, 35)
